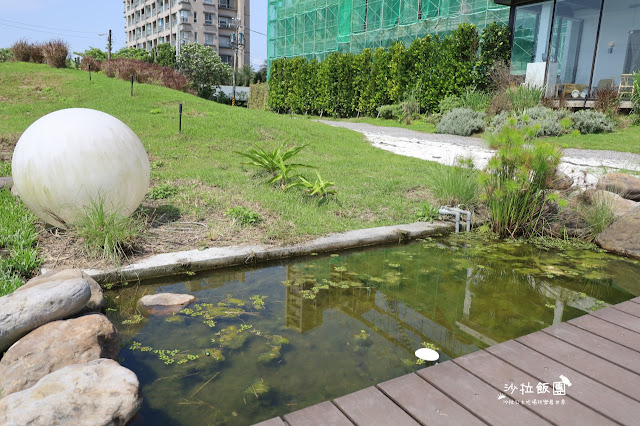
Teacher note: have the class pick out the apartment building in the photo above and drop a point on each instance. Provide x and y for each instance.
(209, 22)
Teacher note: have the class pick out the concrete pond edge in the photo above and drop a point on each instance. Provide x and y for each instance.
(176, 263)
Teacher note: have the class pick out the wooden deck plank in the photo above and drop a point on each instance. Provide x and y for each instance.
(618, 317)
(324, 413)
(425, 403)
(589, 392)
(618, 354)
(499, 374)
(608, 330)
(276, 421)
(371, 407)
(477, 396)
(603, 371)
(628, 307)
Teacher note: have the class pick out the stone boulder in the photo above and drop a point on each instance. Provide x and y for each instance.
(95, 304)
(54, 346)
(622, 236)
(560, 181)
(6, 182)
(623, 184)
(165, 303)
(619, 205)
(100, 392)
(23, 311)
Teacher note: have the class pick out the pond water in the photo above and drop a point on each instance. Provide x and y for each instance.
(263, 342)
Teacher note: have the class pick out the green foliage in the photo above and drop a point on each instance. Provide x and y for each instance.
(471, 99)
(93, 53)
(455, 185)
(202, 65)
(5, 169)
(462, 122)
(592, 122)
(346, 85)
(244, 75)
(515, 181)
(635, 99)
(495, 48)
(524, 97)
(244, 216)
(133, 53)
(162, 191)
(319, 187)
(166, 55)
(449, 103)
(275, 162)
(390, 112)
(539, 120)
(18, 251)
(6, 54)
(598, 215)
(427, 213)
(259, 96)
(107, 235)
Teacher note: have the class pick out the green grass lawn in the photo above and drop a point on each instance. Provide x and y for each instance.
(624, 140)
(374, 187)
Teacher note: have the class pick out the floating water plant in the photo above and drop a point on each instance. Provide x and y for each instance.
(136, 319)
(258, 301)
(258, 388)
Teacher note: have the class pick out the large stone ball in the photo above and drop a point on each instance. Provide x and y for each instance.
(72, 158)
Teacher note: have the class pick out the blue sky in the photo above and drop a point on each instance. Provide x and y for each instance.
(80, 24)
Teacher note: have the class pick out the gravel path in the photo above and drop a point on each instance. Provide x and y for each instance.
(583, 165)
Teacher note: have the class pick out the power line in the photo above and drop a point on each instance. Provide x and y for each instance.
(49, 32)
(48, 28)
(257, 32)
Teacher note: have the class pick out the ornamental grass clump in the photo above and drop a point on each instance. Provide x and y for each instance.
(456, 185)
(515, 183)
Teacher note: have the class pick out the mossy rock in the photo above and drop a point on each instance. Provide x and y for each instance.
(258, 389)
(271, 355)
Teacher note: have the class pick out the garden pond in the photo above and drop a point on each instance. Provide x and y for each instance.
(262, 342)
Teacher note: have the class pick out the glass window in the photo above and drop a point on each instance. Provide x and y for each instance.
(618, 46)
(575, 26)
(531, 39)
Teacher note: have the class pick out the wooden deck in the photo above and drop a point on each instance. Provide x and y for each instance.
(598, 353)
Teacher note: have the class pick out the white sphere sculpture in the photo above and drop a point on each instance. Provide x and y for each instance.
(72, 158)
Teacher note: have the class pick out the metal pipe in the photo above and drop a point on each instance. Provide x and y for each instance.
(454, 211)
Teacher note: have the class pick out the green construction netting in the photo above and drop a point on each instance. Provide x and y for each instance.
(315, 28)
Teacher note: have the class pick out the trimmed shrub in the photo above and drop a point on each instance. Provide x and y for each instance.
(390, 112)
(462, 122)
(592, 122)
(21, 50)
(145, 72)
(259, 96)
(56, 53)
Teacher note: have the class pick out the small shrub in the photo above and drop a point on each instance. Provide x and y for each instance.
(96, 65)
(6, 54)
(462, 122)
(598, 215)
(162, 191)
(145, 72)
(455, 185)
(21, 50)
(319, 188)
(107, 235)
(390, 112)
(539, 121)
(244, 216)
(525, 97)
(592, 122)
(37, 53)
(474, 100)
(427, 213)
(270, 160)
(607, 101)
(449, 103)
(56, 53)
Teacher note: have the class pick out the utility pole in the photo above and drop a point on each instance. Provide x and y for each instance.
(237, 41)
(109, 46)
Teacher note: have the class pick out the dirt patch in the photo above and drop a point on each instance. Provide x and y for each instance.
(419, 193)
(7, 145)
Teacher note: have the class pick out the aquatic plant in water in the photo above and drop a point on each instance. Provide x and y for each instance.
(258, 301)
(136, 319)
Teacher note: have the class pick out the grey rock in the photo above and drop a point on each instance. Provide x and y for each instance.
(620, 206)
(622, 236)
(23, 311)
(165, 303)
(561, 181)
(96, 393)
(6, 182)
(54, 346)
(622, 184)
(96, 303)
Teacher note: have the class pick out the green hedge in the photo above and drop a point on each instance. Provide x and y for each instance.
(345, 84)
(258, 96)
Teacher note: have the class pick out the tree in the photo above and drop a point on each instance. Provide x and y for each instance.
(166, 55)
(244, 75)
(93, 53)
(133, 53)
(260, 76)
(202, 65)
